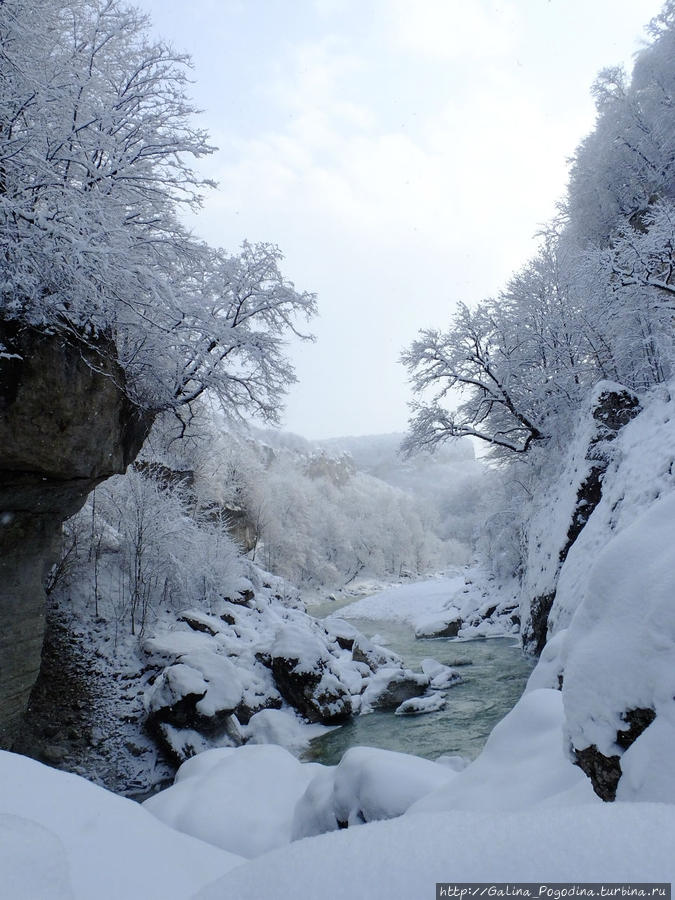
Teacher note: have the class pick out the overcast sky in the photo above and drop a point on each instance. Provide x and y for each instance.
(402, 153)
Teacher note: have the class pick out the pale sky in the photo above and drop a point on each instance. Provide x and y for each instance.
(402, 153)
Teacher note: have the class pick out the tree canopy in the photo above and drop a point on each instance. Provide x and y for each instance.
(597, 301)
(97, 144)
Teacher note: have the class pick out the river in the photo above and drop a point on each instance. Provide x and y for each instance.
(493, 680)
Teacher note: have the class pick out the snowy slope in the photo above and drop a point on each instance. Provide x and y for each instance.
(63, 838)
(612, 625)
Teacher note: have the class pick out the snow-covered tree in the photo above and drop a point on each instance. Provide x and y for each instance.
(96, 143)
(519, 360)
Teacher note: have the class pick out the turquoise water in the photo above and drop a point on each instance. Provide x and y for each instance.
(493, 682)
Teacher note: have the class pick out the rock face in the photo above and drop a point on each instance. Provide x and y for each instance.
(316, 694)
(65, 425)
(612, 407)
(605, 771)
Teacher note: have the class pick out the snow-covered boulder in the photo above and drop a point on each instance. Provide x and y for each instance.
(241, 800)
(441, 677)
(198, 693)
(417, 706)
(446, 623)
(389, 687)
(368, 785)
(302, 672)
(372, 654)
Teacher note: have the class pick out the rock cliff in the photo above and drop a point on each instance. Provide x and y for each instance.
(66, 424)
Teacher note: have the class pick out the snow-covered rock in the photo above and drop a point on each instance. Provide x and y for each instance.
(241, 800)
(389, 687)
(368, 784)
(417, 706)
(217, 671)
(441, 676)
(562, 510)
(301, 666)
(611, 626)
(445, 624)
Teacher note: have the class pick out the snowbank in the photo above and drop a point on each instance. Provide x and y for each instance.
(404, 858)
(241, 800)
(463, 602)
(619, 651)
(523, 764)
(611, 628)
(63, 837)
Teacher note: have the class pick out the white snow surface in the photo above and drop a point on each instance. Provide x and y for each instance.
(426, 606)
(523, 763)
(283, 727)
(642, 469)
(417, 706)
(63, 837)
(240, 799)
(404, 858)
(619, 651)
(407, 603)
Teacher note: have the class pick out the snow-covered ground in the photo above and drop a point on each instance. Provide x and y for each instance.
(252, 821)
(521, 812)
(467, 597)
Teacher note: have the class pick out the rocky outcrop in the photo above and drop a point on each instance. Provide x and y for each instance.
(316, 693)
(66, 424)
(604, 770)
(611, 408)
(447, 625)
(390, 687)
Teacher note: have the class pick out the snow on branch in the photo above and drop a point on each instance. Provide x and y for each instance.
(96, 149)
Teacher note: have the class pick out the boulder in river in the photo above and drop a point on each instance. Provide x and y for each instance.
(390, 687)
